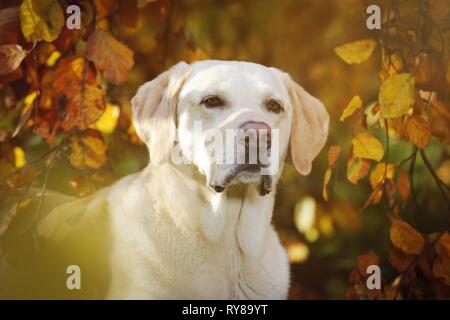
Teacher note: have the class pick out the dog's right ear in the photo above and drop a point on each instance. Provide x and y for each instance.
(154, 111)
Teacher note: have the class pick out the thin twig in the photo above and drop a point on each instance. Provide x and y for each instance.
(440, 184)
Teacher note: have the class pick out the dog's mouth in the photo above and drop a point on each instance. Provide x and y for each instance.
(243, 171)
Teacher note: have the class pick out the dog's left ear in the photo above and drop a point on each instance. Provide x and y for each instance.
(309, 130)
(154, 111)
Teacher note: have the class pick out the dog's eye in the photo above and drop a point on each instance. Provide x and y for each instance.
(212, 101)
(274, 106)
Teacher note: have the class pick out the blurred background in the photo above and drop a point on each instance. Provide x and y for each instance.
(323, 238)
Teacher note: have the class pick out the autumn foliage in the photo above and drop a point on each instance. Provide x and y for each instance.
(65, 120)
(414, 75)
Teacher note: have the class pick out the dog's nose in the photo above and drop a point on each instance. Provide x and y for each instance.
(261, 129)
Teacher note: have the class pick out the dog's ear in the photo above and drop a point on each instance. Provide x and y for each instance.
(154, 111)
(309, 130)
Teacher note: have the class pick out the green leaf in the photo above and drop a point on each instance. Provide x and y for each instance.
(41, 19)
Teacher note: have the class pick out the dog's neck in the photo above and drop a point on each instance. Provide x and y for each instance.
(240, 212)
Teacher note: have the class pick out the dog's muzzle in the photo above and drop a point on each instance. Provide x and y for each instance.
(255, 138)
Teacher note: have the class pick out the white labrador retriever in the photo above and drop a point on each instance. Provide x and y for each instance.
(188, 226)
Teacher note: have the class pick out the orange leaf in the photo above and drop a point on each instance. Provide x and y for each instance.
(357, 169)
(333, 155)
(443, 245)
(326, 180)
(400, 260)
(111, 57)
(441, 269)
(403, 185)
(406, 238)
(365, 260)
(80, 101)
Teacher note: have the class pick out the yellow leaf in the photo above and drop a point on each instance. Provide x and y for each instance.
(28, 102)
(357, 169)
(396, 95)
(11, 55)
(367, 146)
(111, 57)
(418, 131)
(356, 52)
(108, 121)
(326, 180)
(41, 19)
(19, 156)
(406, 238)
(87, 150)
(353, 105)
(377, 174)
(53, 58)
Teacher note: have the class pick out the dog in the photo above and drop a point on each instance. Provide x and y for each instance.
(188, 226)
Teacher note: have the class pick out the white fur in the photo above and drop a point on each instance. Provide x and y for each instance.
(173, 236)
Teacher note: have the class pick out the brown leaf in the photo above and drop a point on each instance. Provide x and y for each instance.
(142, 3)
(76, 96)
(443, 245)
(406, 238)
(22, 177)
(110, 56)
(104, 7)
(11, 55)
(441, 269)
(88, 150)
(418, 131)
(128, 15)
(9, 24)
(400, 260)
(365, 260)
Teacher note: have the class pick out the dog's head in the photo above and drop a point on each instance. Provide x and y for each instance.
(233, 120)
